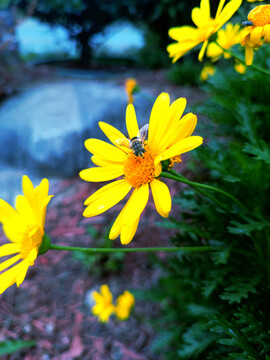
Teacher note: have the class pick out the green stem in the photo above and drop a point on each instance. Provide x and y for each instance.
(129, 250)
(172, 175)
(258, 68)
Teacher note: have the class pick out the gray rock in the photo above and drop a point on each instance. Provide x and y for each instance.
(43, 129)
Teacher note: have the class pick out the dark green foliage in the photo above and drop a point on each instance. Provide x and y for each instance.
(216, 305)
(185, 73)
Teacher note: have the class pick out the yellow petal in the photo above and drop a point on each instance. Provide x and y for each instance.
(4, 265)
(162, 197)
(128, 232)
(180, 147)
(9, 249)
(111, 132)
(23, 267)
(255, 36)
(227, 12)
(7, 213)
(28, 189)
(201, 16)
(185, 128)
(131, 121)
(183, 33)
(220, 7)
(116, 227)
(249, 55)
(160, 107)
(202, 51)
(8, 278)
(100, 161)
(102, 173)
(106, 197)
(136, 204)
(167, 124)
(105, 150)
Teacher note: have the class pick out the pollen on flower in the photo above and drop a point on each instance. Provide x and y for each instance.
(260, 16)
(140, 170)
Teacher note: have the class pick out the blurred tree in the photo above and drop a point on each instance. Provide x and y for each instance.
(82, 18)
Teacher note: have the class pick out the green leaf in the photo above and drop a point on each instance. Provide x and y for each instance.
(247, 229)
(260, 153)
(11, 346)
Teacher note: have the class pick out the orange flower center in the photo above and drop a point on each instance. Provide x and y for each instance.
(260, 16)
(140, 170)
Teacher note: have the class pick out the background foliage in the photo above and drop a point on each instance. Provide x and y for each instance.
(216, 306)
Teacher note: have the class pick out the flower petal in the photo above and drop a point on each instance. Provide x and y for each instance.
(23, 267)
(111, 132)
(4, 265)
(105, 150)
(106, 197)
(162, 197)
(7, 212)
(249, 52)
(128, 232)
(9, 249)
(102, 173)
(136, 204)
(131, 121)
(160, 107)
(180, 147)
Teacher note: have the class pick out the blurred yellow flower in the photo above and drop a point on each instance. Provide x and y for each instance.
(24, 227)
(258, 33)
(104, 307)
(240, 68)
(226, 38)
(208, 70)
(130, 86)
(254, 0)
(188, 37)
(168, 136)
(124, 304)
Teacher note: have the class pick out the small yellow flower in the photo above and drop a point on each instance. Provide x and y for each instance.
(254, 0)
(168, 136)
(104, 307)
(226, 38)
(188, 37)
(24, 227)
(124, 304)
(240, 68)
(130, 86)
(258, 33)
(208, 70)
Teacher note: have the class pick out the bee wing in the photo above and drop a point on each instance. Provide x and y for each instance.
(143, 132)
(122, 142)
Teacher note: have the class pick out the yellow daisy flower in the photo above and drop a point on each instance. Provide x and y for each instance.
(130, 86)
(258, 33)
(168, 137)
(226, 38)
(208, 70)
(104, 307)
(24, 227)
(124, 304)
(254, 0)
(188, 37)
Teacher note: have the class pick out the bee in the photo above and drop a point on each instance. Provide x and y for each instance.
(247, 23)
(136, 144)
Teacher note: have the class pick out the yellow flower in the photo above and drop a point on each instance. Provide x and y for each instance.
(226, 38)
(168, 136)
(24, 227)
(124, 304)
(188, 37)
(130, 85)
(208, 70)
(240, 68)
(104, 307)
(254, 0)
(258, 33)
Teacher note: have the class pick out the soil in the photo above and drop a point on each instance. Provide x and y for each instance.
(53, 305)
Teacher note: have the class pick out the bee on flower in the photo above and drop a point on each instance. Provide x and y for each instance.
(24, 227)
(256, 32)
(169, 135)
(188, 37)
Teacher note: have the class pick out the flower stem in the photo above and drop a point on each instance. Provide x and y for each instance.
(129, 250)
(258, 68)
(175, 176)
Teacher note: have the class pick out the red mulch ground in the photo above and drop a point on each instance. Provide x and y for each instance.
(52, 305)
